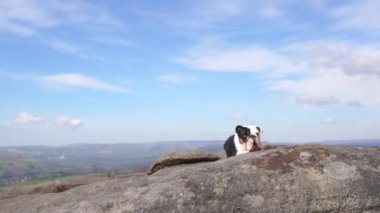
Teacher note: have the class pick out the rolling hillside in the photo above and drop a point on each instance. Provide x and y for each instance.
(18, 164)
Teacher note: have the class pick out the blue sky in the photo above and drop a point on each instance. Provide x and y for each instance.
(143, 70)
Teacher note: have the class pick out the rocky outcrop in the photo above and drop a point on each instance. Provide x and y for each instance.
(304, 178)
(180, 158)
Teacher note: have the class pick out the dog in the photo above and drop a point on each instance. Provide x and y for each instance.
(246, 139)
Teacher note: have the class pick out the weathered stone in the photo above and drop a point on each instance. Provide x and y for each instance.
(178, 158)
(282, 179)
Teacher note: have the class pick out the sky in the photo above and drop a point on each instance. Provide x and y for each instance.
(132, 71)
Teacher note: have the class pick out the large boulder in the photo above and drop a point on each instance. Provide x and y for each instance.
(303, 178)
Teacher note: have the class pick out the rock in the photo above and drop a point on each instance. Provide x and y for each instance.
(178, 158)
(303, 178)
(61, 185)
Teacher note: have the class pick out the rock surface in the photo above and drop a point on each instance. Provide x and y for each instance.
(60, 185)
(303, 178)
(178, 158)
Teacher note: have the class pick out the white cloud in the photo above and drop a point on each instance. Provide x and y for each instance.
(28, 17)
(3, 126)
(328, 120)
(362, 15)
(350, 58)
(15, 76)
(317, 100)
(216, 10)
(81, 50)
(41, 19)
(248, 59)
(353, 104)
(24, 17)
(177, 79)
(201, 13)
(322, 73)
(117, 41)
(67, 121)
(66, 81)
(349, 73)
(67, 48)
(215, 14)
(324, 101)
(271, 12)
(362, 90)
(74, 80)
(24, 118)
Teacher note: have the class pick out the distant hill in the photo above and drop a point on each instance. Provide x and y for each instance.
(358, 143)
(355, 143)
(18, 164)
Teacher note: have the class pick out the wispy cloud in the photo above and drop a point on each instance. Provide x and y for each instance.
(317, 100)
(347, 72)
(24, 17)
(67, 47)
(197, 14)
(67, 121)
(24, 118)
(353, 104)
(82, 19)
(325, 101)
(76, 80)
(328, 120)
(234, 59)
(352, 59)
(66, 81)
(271, 12)
(29, 17)
(297, 57)
(15, 75)
(358, 15)
(118, 41)
(177, 79)
(214, 14)
(216, 10)
(323, 73)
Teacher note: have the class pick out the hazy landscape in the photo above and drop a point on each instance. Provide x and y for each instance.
(19, 164)
(25, 163)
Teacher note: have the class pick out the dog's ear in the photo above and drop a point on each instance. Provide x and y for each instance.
(259, 129)
(238, 128)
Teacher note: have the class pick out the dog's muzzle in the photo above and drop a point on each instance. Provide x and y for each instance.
(255, 146)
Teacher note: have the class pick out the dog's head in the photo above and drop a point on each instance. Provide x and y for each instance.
(255, 131)
(249, 137)
(256, 137)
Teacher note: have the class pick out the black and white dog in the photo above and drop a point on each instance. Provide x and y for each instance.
(246, 139)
